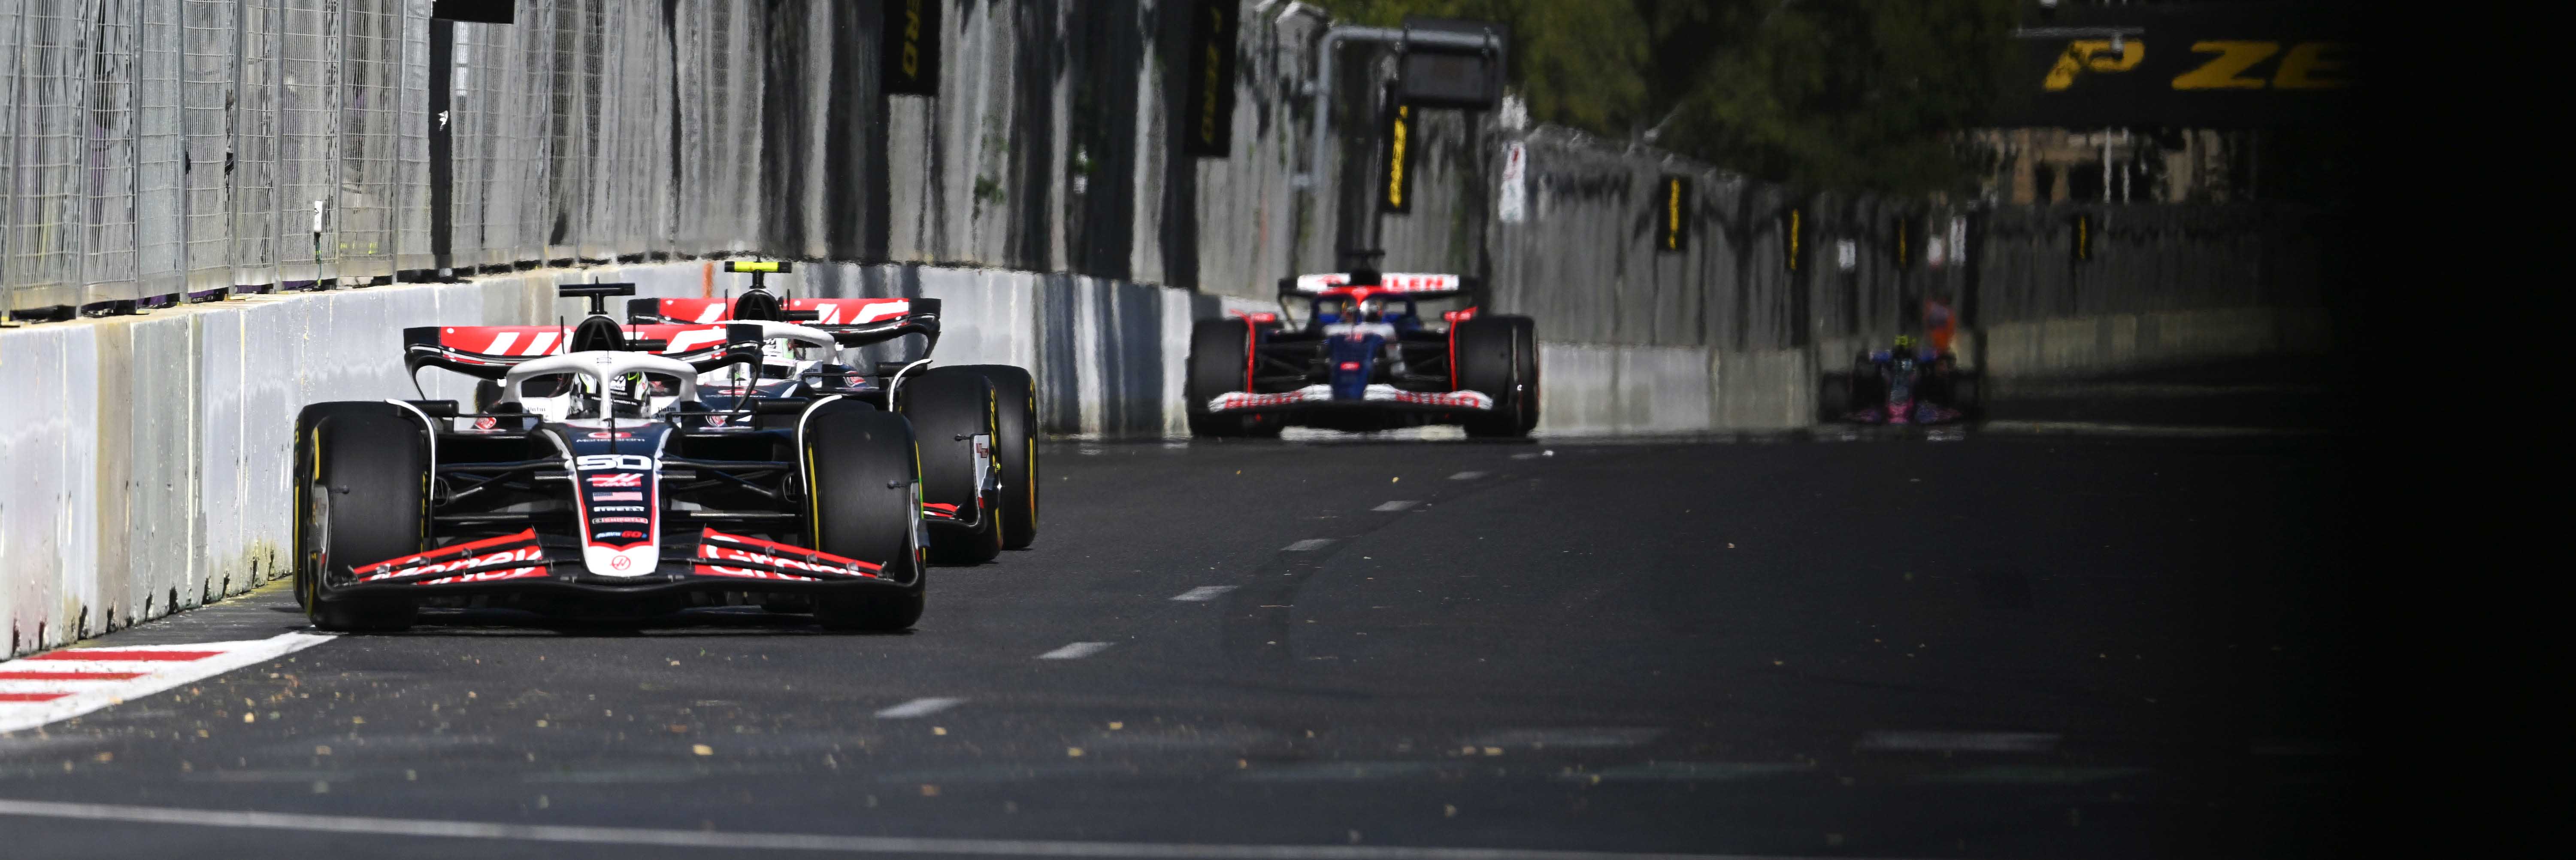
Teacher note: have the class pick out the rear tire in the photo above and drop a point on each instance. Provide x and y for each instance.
(1498, 355)
(1015, 444)
(1220, 361)
(862, 470)
(362, 496)
(1834, 398)
(948, 408)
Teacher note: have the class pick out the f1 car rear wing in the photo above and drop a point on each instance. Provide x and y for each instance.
(488, 352)
(850, 322)
(1406, 284)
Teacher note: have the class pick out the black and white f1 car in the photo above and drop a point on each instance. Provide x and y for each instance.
(1365, 360)
(603, 479)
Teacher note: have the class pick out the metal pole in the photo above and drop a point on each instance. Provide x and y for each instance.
(1323, 91)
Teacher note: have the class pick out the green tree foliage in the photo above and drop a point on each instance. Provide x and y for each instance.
(1856, 94)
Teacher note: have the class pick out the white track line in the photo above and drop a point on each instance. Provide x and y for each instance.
(1394, 506)
(1309, 545)
(1075, 651)
(1466, 476)
(421, 827)
(2032, 742)
(1202, 594)
(32, 693)
(921, 707)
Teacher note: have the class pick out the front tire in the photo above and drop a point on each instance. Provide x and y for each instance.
(1834, 398)
(862, 473)
(1220, 361)
(362, 496)
(948, 409)
(1498, 355)
(1015, 444)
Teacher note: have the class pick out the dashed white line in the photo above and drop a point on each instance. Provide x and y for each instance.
(1466, 476)
(1202, 594)
(1075, 651)
(921, 707)
(1309, 545)
(2032, 742)
(812, 842)
(1394, 506)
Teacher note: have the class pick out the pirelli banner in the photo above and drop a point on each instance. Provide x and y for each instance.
(910, 63)
(1673, 214)
(1208, 131)
(2189, 65)
(1398, 150)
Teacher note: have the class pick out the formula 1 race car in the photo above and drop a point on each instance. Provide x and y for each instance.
(1364, 361)
(977, 423)
(1908, 384)
(603, 479)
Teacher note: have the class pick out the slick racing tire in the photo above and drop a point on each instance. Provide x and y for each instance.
(1220, 361)
(862, 474)
(1834, 398)
(1015, 444)
(948, 409)
(362, 476)
(1498, 355)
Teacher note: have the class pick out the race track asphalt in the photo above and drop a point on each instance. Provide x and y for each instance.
(2001, 646)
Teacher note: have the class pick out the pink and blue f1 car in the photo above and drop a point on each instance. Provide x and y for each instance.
(1364, 359)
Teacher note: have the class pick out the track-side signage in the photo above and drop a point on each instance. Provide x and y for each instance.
(910, 53)
(1673, 213)
(1395, 196)
(1209, 132)
(2189, 65)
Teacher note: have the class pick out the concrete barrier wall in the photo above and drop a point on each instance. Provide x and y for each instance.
(1598, 390)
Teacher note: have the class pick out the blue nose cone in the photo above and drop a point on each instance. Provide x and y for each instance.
(1353, 362)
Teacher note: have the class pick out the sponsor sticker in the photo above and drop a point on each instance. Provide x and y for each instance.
(620, 520)
(622, 479)
(618, 508)
(605, 434)
(617, 497)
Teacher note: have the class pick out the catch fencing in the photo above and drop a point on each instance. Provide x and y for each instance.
(156, 149)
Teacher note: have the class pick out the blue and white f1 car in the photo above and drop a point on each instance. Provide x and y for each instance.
(1364, 360)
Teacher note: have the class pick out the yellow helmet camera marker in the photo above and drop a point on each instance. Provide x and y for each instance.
(778, 266)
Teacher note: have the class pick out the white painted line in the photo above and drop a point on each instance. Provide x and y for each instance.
(1202, 594)
(1466, 476)
(1309, 545)
(921, 707)
(2031, 742)
(435, 828)
(1075, 651)
(34, 691)
(1394, 506)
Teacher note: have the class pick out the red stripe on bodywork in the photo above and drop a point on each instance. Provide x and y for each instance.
(1249, 351)
(69, 676)
(525, 536)
(31, 697)
(137, 656)
(711, 556)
